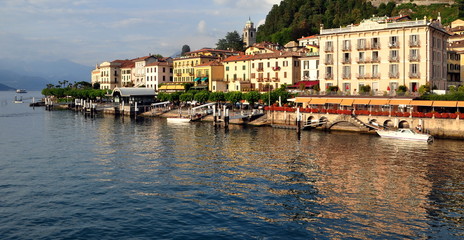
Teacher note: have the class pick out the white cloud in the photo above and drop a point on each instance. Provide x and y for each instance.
(201, 26)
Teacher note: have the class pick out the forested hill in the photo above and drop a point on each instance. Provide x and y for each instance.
(293, 19)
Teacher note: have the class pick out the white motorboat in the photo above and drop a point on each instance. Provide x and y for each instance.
(21, 91)
(178, 120)
(406, 134)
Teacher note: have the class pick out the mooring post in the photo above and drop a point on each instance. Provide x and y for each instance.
(214, 115)
(226, 118)
(298, 121)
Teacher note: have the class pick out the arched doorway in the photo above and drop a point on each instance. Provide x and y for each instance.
(403, 124)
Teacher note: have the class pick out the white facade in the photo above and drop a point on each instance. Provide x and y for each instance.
(158, 73)
(309, 68)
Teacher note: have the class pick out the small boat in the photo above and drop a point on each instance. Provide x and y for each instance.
(21, 91)
(178, 120)
(18, 99)
(406, 134)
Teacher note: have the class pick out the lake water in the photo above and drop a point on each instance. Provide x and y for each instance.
(65, 176)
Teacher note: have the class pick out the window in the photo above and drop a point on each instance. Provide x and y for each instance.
(328, 73)
(393, 41)
(361, 44)
(375, 56)
(393, 71)
(361, 71)
(413, 55)
(413, 70)
(375, 43)
(329, 59)
(346, 72)
(243, 67)
(346, 45)
(375, 71)
(346, 58)
(361, 57)
(414, 41)
(329, 46)
(394, 56)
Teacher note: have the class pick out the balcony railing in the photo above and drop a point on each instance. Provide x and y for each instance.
(414, 43)
(362, 46)
(346, 60)
(393, 58)
(414, 75)
(328, 48)
(394, 44)
(329, 61)
(260, 69)
(375, 46)
(346, 75)
(414, 58)
(329, 76)
(346, 48)
(276, 68)
(394, 74)
(376, 76)
(375, 60)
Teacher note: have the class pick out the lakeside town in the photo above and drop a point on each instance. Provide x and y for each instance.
(376, 72)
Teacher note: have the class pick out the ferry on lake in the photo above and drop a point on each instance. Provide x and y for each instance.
(21, 91)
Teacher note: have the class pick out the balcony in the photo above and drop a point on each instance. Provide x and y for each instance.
(346, 75)
(362, 60)
(393, 74)
(329, 76)
(414, 43)
(276, 68)
(394, 44)
(260, 69)
(414, 75)
(375, 46)
(346, 48)
(275, 79)
(393, 58)
(328, 48)
(361, 76)
(328, 61)
(414, 58)
(362, 47)
(375, 76)
(375, 60)
(346, 60)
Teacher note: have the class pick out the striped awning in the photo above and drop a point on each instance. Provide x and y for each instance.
(378, 102)
(400, 102)
(318, 101)
(347, 102)
(361, 101)
(445, 103)
(302, 100)
(334, 100)
(421, 103)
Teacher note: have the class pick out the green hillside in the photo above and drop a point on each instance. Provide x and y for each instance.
(293, 19)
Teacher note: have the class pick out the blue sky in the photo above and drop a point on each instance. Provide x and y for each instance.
(92, 31)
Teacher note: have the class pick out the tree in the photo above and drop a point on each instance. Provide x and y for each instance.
(185, 49)
(234, 97)
(232, 41)
(216, 97)
(201, 97)
(185, 97)
(252, 97)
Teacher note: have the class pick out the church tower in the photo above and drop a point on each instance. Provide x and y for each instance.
(249, 34)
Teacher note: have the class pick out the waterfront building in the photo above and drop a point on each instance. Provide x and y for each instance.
(249, 34)
(158, 73)
(456, 44)
(210, 76)
(454, 69)
(184, 67)
(109, 74)
(310, 41)
(237, 71)
(140, 71)
(127, 75)
(384, 53)
(95, 75)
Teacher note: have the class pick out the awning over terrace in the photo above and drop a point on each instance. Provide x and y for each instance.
(421, 103)
(347, 102)
(444, 103)
(378, 102)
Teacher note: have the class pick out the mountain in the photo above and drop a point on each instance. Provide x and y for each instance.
(35, 75)
(4, 87)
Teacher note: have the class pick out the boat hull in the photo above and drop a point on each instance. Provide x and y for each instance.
(405, 135)
(178, 120)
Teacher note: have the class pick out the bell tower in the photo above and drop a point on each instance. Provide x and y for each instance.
(249, 34)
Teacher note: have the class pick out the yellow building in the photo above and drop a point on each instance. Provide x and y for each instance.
(210, 76)
(262, 72)
(456, 44)
(384, 54)
(184, 67)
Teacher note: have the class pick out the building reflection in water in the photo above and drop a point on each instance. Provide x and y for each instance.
(335, 185)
